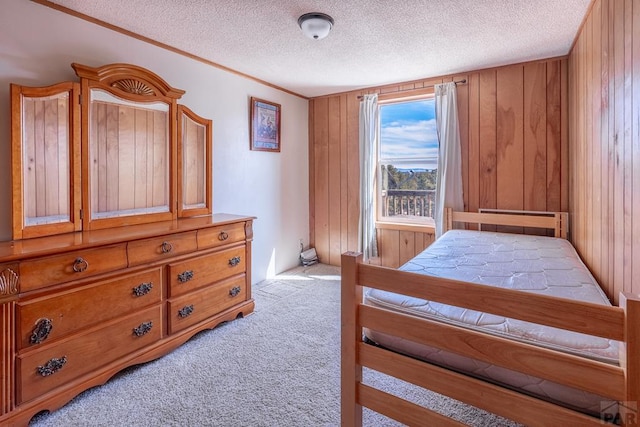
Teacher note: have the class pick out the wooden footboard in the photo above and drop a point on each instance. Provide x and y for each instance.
(615, 383)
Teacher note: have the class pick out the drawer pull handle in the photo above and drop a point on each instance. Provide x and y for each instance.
(223, 236)
(185, 276)
(234, 261)
(52, 366)
(143, 329)
(80, 265)
(185, 311)
(234, 291)
(41, 331)
(142, 289)
(166, 247)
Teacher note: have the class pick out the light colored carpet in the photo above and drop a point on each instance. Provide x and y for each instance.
(278, 367)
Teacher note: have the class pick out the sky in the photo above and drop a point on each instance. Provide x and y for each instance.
(407, 131)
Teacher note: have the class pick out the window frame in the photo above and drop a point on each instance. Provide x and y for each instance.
(415, 224)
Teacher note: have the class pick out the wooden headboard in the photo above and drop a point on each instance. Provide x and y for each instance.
(556, 221)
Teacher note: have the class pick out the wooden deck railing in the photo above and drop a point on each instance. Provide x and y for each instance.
(408, 203)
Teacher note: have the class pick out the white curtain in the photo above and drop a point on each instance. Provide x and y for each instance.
(367, 243)
(449, 185)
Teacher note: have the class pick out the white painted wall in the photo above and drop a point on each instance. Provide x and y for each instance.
(37, 47)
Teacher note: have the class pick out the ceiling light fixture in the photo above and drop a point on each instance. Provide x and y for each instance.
(315, 25)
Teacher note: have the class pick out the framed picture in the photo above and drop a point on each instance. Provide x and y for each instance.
(265, 125)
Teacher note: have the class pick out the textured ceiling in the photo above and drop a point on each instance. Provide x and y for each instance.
(373, 42)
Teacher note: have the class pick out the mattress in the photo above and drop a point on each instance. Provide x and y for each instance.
(538, 264)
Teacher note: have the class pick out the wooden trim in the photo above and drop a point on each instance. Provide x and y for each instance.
(582, 24)
(312, 172)
(406, 95)
(160, 44)
(416, 228)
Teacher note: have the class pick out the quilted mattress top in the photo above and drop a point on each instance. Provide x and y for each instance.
(543, 265)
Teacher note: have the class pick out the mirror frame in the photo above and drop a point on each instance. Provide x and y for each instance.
(21, 230)
(138, 85)
(207, 124)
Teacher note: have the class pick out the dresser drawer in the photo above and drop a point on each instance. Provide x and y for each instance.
(222, 235)
(159, 248)
(66, 312)
(192, 308)
(43, 369)
(41, 272)
(197, 272)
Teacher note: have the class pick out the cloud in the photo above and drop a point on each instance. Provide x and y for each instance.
(408, 139)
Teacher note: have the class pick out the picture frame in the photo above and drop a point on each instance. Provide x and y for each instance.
(264, 125)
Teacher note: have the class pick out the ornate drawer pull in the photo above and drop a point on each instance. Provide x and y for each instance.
(80, 265)
(234, 261)
(166, 247)
(41, 331)
(52, 366)
(185, 276)
(185, 311)
(234, 291)
(142, 289)
(223, 236)
(143, 329)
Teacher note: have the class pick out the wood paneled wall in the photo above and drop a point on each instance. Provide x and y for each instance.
(604, 106)
(513, 126)
(397, 244)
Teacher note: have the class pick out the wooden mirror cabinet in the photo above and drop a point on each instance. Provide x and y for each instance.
(116, 257)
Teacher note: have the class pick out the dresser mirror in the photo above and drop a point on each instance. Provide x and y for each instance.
(129, 135)
(129, 156)
(115, 149)
(45, 149)
(194, 175)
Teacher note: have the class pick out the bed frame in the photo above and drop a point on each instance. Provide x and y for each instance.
(617, 383)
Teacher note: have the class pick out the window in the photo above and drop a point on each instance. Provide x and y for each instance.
(407, 161)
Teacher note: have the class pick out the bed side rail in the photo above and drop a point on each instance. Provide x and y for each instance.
(556, 221)
(577, 316)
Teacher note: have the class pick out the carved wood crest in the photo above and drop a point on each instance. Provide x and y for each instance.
(8, 282)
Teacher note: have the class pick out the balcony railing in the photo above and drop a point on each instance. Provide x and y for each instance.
(419, 203)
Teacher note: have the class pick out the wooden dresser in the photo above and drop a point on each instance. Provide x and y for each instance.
(115, 257)
(77, 308)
